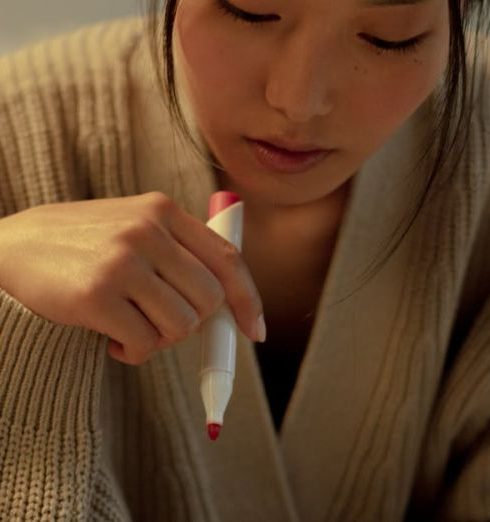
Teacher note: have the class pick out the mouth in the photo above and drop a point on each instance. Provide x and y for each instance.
(286, 160)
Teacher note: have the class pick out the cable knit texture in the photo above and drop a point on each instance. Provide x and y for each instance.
(389, 417)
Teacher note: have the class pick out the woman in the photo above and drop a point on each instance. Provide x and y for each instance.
(369, 399)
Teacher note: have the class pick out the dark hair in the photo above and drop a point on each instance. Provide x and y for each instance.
(450, 140)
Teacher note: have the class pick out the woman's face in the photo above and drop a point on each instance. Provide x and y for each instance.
(312, 75)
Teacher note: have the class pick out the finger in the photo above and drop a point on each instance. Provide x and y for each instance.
(170, 313)
(122, 321)
(190, 281)
(224, 260)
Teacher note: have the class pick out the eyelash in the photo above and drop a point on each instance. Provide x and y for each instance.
(382, 46)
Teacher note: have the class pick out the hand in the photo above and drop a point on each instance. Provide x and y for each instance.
(139, 269)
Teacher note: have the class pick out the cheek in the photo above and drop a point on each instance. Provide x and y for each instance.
(401, 94)
(404, 87)
(215, 75)
(392, 99)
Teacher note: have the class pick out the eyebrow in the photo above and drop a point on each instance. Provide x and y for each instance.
(393, 2)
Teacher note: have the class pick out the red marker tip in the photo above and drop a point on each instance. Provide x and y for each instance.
(213, 431)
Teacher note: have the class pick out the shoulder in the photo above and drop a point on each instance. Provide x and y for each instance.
(69, 58)
(62, 111)
(69, 81)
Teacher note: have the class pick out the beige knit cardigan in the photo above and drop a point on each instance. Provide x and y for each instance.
(389, 419)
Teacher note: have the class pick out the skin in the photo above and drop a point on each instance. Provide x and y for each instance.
(309, 77)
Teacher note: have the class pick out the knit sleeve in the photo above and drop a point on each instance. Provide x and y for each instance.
(51, 465)
(50, 377)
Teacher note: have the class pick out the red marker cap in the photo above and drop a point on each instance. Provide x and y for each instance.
(213, 431)
(221, 200)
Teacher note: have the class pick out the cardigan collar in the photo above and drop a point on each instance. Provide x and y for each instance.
(340, 412)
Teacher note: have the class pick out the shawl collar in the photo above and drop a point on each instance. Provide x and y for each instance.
(361, 369)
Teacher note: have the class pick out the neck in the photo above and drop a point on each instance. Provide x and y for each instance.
(310, 225)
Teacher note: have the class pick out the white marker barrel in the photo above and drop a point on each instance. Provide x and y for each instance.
(218, 333)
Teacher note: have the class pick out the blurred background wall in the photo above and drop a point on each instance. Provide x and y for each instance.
(26, 21)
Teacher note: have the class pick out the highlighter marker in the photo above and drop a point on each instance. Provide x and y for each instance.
(218, 333)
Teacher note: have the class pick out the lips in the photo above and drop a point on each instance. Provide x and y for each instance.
(288, 147)
(282, 160)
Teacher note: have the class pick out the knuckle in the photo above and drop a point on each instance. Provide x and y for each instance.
(160, 202)
(138, 228)
(215, 297)
(231, 253)
(122, 258)
(187, 324)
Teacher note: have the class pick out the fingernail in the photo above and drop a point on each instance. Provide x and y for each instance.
(261, 331)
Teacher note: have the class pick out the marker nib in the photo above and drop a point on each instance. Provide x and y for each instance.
(213, 431)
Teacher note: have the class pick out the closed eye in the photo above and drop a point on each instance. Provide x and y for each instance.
(245, 16)
(403, 46)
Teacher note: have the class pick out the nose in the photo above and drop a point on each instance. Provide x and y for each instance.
(298, 80)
